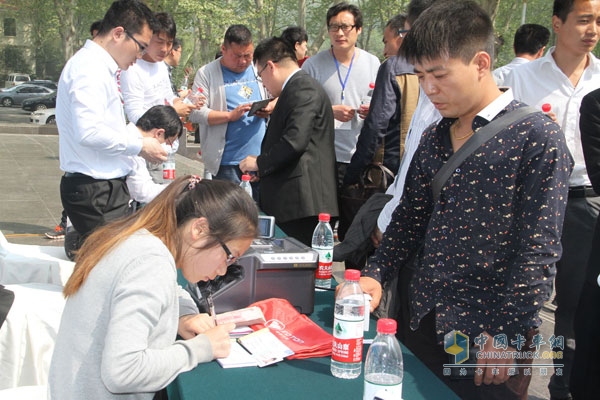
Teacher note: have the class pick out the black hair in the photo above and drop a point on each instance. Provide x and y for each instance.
(132, 15)
(453, 29)
(238, 34)
(416, 8)
(274, 49)
(161, 117)
(176, 44)
(562, 8)
(294, 34)
(165, 23)
(351, 8)
(95, 26)
(530, 38)
(396, 23)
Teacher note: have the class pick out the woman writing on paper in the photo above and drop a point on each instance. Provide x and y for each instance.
(124, 307)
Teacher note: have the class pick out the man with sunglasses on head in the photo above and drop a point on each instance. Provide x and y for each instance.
(345, 73)
(231, 84)
(96, 149)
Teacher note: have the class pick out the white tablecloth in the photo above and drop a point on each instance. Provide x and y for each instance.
(21, 263)
(27, 336)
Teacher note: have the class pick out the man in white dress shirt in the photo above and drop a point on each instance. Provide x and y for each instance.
(147, 82)
(562, 78)
(96, 148)
(529, 44)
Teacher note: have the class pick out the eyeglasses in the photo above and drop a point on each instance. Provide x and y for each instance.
(230, 257)
(402, 32)
(345, 28)
(258, 75)
(141, 47)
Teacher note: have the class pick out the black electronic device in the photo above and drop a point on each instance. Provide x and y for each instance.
(282, 268)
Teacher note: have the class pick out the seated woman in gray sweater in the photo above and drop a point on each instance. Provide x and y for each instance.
(117, 336)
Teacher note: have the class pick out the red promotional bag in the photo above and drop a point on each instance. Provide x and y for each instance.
(295, 330)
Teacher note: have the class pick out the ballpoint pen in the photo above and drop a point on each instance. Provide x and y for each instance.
(211, 306)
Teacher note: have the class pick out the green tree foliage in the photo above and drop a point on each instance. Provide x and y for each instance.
(14, 60)
(64, 24)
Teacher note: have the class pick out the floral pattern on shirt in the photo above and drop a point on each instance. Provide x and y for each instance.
(488, 246)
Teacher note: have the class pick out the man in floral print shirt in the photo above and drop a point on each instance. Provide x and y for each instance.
(485, 250)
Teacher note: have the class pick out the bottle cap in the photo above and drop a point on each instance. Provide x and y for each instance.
(546, 107)
(352, 275)
(246, 177)
(324, 217)
(372, 85)
(386, 325)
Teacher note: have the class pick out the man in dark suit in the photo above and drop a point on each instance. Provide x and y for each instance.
(586, 369)
(296, 166)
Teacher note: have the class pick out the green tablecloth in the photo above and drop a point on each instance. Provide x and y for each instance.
(300, 379)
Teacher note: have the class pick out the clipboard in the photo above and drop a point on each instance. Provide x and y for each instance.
(257, 105)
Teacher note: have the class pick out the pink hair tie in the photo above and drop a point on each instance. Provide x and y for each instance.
(194, 180)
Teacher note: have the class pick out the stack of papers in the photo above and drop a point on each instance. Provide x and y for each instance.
(260, 348)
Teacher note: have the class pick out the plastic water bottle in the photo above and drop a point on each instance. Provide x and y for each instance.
(384, 369)
(168, 167)
(322, 242)
(245, 184)
(348, 317)
(366, 100)
(194, 98)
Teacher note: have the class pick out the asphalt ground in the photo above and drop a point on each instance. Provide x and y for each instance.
(30, 201)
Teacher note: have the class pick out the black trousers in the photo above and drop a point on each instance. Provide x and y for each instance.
(586, 368)
(7, 298)
(90, 203)
(301, 229)
(577, 235)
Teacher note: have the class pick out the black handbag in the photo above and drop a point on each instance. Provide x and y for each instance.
(375, 178)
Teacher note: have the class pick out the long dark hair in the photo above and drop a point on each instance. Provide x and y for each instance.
(230, 212)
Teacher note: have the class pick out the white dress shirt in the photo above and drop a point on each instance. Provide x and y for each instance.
(93, 138)
(141, 186)
(501, 72)
(145, 84)
(541, 81)
(425, 114)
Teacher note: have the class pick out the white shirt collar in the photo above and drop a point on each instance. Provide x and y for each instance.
(491, 110)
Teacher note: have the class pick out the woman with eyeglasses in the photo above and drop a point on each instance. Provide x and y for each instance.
(124, 307)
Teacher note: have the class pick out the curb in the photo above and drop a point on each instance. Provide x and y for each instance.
(28, 129)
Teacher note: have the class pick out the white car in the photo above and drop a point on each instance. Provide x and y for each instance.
(43, 117)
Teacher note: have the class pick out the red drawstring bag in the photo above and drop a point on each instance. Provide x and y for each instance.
(295, 330)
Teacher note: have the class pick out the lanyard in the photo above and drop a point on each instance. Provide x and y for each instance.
(337, 66)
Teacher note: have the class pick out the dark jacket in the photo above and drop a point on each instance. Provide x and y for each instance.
(297, 161)
(382, 122)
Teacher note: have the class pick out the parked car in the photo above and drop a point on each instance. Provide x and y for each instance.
(40, 103)
(15, 79)
(17, 94)
(43, 117)
(45, 83)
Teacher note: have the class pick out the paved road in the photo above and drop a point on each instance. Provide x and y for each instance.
(14, 115)
(30, 203)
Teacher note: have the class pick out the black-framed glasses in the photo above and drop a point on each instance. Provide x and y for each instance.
(402, 32)
(345, 28)
(230, 257)
(141, 47)
(261, 71)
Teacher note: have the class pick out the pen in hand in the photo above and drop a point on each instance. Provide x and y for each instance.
(211, 307)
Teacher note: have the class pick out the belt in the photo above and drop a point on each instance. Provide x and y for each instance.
(75, 175)
(578, 192)
(79, 175)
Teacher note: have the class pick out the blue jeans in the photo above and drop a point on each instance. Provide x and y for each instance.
(234, 174)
